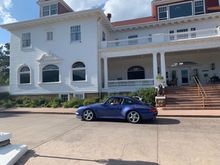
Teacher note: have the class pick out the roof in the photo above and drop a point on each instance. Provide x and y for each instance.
(134, 21)
(215, 8)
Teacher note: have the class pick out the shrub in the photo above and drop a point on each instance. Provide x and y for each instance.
(8, 103)
(90, 101)
(4, 96)
(73, 103)
(147, 94)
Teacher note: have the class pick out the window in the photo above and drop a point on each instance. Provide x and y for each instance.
(80, 96)
(181, 10)
(193, 32)
(78, 72)
(183, 33)
(25, 75)
(49, 36)
(50, 10)
(172, 35)
(51, 73)
(128, 102)
(46, 10)
(199, 7)
(163, 13)
(114, 101)
(132, 40)
(103, 36)
(75, 33)
(136, 72)
(64, 97)
(53, 9)
(26, 40)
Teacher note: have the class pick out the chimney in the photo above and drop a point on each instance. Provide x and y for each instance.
(109, 16)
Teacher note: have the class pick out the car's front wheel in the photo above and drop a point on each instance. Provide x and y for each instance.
(133, 117)
(88, 115)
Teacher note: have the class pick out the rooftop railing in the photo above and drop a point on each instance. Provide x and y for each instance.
(162, 37)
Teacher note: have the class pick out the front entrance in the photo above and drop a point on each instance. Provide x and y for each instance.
(184, 76)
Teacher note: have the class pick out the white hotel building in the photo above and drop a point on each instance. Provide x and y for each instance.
(84, 54)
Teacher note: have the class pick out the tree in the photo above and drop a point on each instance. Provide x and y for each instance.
(4, 64)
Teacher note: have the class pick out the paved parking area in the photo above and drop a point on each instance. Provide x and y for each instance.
(62, 139)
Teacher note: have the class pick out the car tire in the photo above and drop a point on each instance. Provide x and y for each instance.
(88, 115)
(133, 117)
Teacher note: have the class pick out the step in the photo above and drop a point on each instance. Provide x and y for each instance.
(10, 154)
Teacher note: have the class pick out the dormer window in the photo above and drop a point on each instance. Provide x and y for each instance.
(50, 10)
(182, 9)
(199, 7)
(163, 13)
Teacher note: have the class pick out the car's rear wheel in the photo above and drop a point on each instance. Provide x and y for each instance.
(88, 115)
(133, 117)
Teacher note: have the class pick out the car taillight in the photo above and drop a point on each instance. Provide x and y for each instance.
(153, 110)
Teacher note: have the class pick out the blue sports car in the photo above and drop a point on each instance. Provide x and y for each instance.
(119, 107)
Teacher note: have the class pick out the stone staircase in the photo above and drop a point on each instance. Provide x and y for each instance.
(186, 98)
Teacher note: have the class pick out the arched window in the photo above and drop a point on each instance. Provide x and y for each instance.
(50, 73)
(136, 72)
(25, 75)
(78, 71)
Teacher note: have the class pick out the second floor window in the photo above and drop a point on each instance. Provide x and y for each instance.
(49, 36)
(26, 40)
(132, 40)
(181, 10)
(75, 33)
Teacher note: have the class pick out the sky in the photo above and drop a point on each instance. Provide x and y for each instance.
(21, 10)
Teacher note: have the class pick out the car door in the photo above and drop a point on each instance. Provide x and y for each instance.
(111, 109)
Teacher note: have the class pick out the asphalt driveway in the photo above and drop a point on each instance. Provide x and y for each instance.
(62, 139)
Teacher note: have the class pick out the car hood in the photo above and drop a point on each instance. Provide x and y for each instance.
(89, 106)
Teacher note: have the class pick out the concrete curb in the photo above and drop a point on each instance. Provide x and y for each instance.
(28, 112)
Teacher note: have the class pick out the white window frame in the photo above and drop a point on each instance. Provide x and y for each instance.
(19, 75)
(74, 31)
(76, 69)
(167, 12)
(25, 39)
(83, 95)
(41, 74)
(49, 36)
(49, 11)
(168, 9)
(199, 6)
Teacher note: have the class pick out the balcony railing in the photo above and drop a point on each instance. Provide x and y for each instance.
(131, 83)
(159, 38)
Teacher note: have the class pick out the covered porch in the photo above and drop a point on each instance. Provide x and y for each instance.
(129, 73)
(182, 66)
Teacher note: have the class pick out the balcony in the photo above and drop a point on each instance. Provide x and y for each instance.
(162, 38)
(129, 85)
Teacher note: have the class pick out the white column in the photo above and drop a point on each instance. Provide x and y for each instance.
(163, 65)
(155, 71)
(106, 72)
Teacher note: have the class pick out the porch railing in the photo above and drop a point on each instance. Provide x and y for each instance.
(131, 83)
(201, 91)
(161, 37)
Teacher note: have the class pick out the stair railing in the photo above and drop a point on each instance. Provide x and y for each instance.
(201, 91)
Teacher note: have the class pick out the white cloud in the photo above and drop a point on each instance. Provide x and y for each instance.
(5, 15)
(85, 4)
(120, 9)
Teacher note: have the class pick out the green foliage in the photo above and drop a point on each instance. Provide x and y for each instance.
(147, 94)
(4, 64)
(73, 103)
(90, 101)
(8, 103)
(54, 103)
(4, 96)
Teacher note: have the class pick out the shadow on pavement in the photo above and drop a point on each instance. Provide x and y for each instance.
(32, 154)
(7, 115)
(158, 121)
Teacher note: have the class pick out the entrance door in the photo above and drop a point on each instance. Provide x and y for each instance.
(185, 76)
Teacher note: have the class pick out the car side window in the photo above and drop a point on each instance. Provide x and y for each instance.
(128, 102)
(114, 101)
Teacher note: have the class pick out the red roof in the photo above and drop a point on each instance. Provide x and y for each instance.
(134, 21)
(215, 8)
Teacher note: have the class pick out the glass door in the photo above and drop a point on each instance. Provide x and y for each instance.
(185, 76)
